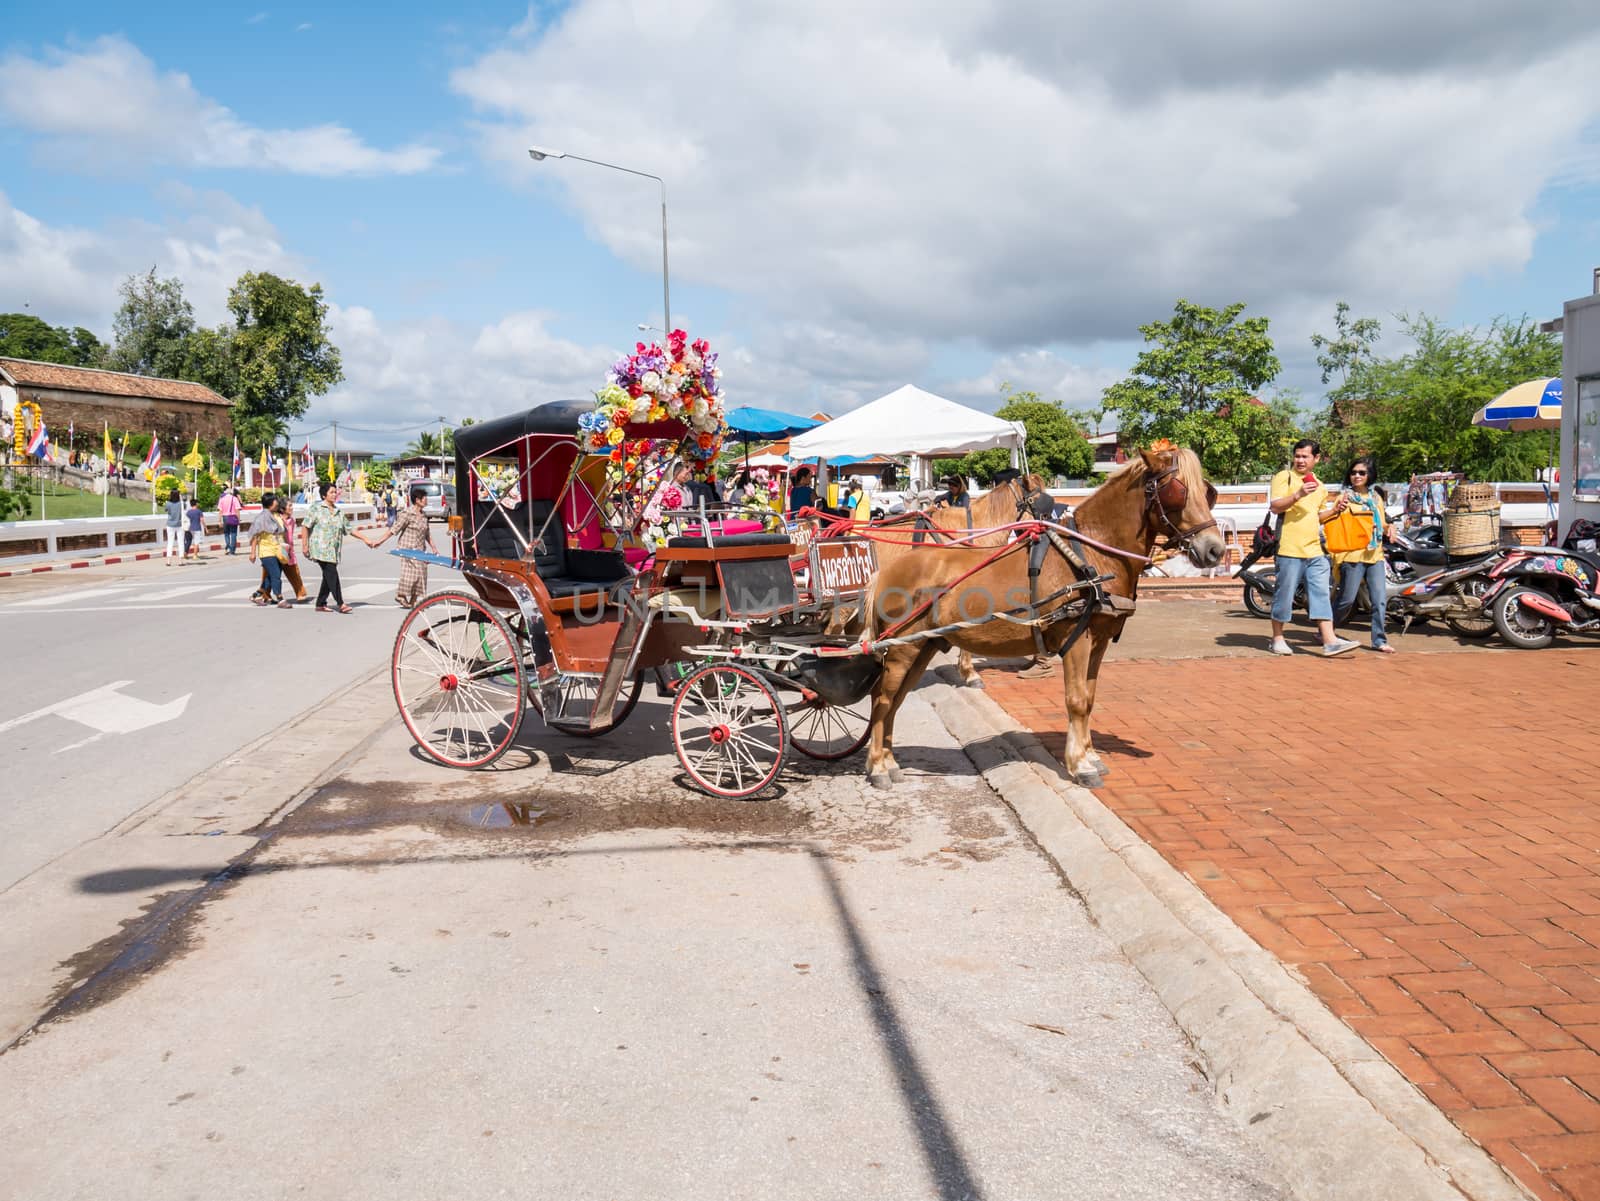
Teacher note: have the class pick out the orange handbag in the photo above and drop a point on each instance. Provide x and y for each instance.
(1347, 532)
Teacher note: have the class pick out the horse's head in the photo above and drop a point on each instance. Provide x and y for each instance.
(1177, 503)
(1028, 493)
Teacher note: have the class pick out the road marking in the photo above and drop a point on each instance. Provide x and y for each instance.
(70, 595)
(180, 590)
(105, 711)
(368, 591)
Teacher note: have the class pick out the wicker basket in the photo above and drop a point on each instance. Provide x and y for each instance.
(1467, 534)
(1474, 498)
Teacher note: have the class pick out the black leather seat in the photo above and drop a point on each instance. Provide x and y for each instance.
(496, 539)
(684, 542)
(566, 572)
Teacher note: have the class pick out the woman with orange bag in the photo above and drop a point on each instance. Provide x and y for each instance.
(1364, 519)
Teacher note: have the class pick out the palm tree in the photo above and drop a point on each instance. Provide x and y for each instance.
(427, 445)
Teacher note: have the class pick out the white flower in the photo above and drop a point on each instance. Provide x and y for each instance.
(699, 411)
(641, 406)
(693, 361)
(650, 381)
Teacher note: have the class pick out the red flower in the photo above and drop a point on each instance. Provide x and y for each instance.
(619, 418)
(616, 455)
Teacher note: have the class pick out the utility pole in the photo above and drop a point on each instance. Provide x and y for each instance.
(335, 450)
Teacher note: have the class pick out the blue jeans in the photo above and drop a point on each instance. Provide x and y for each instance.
(1316, 574)
(230, 537)
(1350, 577)
(274, 570)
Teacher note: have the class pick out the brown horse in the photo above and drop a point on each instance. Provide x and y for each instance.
(1163, 493)
(1002, 506)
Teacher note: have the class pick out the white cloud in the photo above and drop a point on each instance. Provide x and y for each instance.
(69, 276)
(256, 19)
(1044, 174)
(107, 105)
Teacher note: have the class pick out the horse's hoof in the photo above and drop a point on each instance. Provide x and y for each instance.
(896, 775)
(1088, 778)
(879, 781)
(975, 682)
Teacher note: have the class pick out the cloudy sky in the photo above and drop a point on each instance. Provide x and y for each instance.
(954, 195)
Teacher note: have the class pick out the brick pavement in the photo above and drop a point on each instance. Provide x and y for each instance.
(1422, 849)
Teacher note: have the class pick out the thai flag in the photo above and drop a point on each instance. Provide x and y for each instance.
(39, 444)
(152, 461)
(238, 463)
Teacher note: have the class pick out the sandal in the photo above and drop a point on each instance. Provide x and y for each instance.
(322, 608)
(256, 600)
(285, 604)
(346, 609)
(1385, 649)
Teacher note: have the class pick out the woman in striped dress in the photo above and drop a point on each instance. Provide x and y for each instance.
(410, 532)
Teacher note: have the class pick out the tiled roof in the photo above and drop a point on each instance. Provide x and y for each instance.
(29, 373)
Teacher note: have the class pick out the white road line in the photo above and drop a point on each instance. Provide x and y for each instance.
(368, 591)
(70, 595)
(105, 711)
(180, 590)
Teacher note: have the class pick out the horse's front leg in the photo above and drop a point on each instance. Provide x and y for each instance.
(1100, 641)
(969, 673)
(885, 698)
(1079, 691)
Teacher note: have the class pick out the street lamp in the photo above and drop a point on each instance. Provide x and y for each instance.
(539, 153)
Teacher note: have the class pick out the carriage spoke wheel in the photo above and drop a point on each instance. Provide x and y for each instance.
(825, 731)
(729, 730)
(458, 679)
(578, 696)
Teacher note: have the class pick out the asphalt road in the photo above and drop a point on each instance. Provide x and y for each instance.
(125, 681)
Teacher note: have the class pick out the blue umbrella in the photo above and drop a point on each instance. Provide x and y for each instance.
(746, 423)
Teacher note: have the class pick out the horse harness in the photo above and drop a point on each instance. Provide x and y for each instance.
(1165, 493)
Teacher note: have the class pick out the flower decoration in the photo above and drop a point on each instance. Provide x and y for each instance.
(678, 382)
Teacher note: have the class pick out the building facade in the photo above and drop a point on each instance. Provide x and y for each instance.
(89, 400)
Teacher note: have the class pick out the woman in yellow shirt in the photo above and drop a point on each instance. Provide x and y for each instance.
(1365, 499)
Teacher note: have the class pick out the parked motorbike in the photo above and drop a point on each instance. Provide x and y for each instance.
(1541, 591)
(1405, 560)
(1454, 590)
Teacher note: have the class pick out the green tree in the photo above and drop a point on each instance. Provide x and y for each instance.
(16, 498)
(429, 444)
(1414, 411)
(379, 476)
(24, 336)
(1197, 384)
(1056, 442)
(1350, 347)
(151, 330)
(281, 355)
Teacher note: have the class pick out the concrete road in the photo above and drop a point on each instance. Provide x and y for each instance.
(573, 978)
(125, 681)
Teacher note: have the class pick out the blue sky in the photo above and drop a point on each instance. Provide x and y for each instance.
(859, 198)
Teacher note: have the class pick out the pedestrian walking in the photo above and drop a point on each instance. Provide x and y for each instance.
(326, 528)
(196, 518)
(1301, 499)
(291, 561)
(266, 544)
(172, 547)
(1366, 499)
(391, 506)
(228, 507)
(410, 531)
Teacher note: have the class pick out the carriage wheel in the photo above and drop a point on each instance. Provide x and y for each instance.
(578, 695)
(729, 731)
(458, 679)
(825, 731)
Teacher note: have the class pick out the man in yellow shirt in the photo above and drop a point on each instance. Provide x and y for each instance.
(1299, 497)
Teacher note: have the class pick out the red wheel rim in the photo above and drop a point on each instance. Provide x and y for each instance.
(458, 680)
(729, 731)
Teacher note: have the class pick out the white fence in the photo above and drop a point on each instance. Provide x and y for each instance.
(79, 537)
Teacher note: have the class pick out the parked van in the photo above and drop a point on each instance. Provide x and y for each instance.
(440, 502)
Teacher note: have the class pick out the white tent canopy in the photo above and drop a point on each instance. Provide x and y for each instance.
(909, 421)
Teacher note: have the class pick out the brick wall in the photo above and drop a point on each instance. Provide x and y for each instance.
(172, 421)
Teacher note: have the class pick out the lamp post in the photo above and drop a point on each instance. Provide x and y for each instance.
(539, 153)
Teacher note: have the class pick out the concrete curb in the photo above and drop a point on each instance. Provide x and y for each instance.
(1333, 1115)
(108, 560)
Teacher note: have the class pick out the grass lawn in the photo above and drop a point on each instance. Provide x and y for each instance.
(70, 502)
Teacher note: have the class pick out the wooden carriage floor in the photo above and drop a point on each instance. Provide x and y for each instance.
(1417, 835)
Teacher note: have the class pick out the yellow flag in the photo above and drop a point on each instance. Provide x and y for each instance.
(333, 472)
(108, 444)
(266, 465)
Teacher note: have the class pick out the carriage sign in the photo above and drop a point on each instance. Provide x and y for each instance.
(842, 567)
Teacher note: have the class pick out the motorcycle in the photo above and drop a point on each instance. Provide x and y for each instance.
(1455, 591)
(1538, 592)
(1405, 559)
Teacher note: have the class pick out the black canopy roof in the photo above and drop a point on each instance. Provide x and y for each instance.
(556, 417)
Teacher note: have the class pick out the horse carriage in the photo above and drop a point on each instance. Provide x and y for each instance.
(566, 617)
(578, 593)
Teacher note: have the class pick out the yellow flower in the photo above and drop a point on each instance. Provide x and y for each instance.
(658, 413)
(615, 436)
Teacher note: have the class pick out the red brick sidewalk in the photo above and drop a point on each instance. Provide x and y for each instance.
(1422, 847)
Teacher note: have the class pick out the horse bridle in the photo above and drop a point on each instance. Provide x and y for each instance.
(1165, 493)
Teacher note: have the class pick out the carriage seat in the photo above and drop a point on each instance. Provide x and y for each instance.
(563, 571)
(684, 542)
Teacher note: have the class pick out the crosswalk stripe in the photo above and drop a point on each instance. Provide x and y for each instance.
(171, 593)
(60, 598)
(368, 591)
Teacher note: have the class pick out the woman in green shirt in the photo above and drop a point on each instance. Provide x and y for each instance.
(324, 532)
